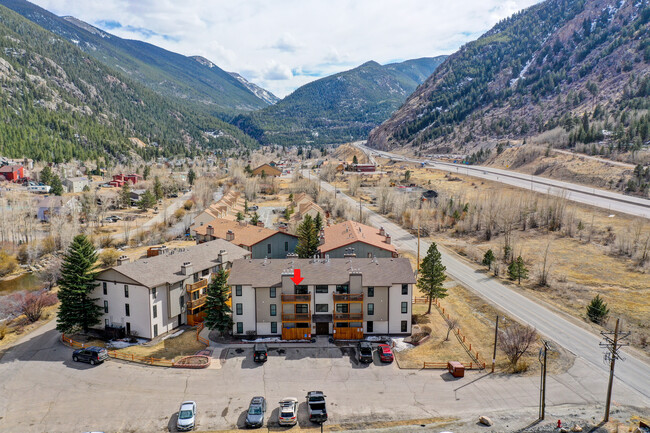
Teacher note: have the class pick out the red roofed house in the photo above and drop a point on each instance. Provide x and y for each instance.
(12, 172)
(338, 239)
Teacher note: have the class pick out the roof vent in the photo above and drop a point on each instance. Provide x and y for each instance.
(122, 259)
(230, 235)
(187, 268)
(382, 232)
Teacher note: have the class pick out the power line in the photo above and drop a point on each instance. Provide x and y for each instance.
(612, 344)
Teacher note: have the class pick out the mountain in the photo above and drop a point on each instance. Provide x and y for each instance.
(165, 72)
(59, 103)
(568, 72)
(341, 107)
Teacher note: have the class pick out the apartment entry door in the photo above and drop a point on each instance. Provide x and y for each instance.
(322, 328)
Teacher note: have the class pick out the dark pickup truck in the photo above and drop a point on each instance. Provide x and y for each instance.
(316, 407)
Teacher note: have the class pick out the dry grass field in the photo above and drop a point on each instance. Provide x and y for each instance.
(174, 347)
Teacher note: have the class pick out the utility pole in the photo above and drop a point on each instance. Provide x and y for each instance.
(612, 344)
(418, 264)
(542, 384)
(494, 354)
(360, 209)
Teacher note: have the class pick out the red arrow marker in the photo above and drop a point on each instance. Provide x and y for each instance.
(297, 279)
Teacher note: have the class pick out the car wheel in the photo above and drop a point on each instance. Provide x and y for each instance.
(92, 362)
(75, 359)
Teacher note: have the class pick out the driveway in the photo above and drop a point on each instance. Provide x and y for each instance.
(43, 390)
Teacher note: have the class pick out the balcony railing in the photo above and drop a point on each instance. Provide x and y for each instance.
(297, 317)
(196, 286)
(348, 317)
(194, 303)
(355, 297)
(296, 298)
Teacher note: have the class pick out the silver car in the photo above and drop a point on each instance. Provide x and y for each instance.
(256, 411)
(186, 416)
(288, 411)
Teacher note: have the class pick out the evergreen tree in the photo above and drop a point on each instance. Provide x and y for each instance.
(488, 258)
(432, 275)
(146, 172)
(318, 222)
(255, 218)
(355, 160)
(517, 270)
(57, 186)
(218, 313)
(157, 188)
(597, 310)
(240, 216)
(77, 310)
(191, 176)
(125, 195)
(307, 238)
(45, 175)
(148, 200)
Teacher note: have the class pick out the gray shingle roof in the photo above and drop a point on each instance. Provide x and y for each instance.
(166, 268)
(268, 273)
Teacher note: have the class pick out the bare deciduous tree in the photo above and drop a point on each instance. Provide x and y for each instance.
(51, 273)
(385, 196)
(515, 341)
(452, 323)
(354, 182)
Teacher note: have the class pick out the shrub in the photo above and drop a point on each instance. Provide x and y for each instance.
(33, 303)
(105, 241)
(179, 214)
(515, 342)
(597, 310)
(521, 367)
(48, 245)
(8, 263)
(23, 254)
(188, 205)
(108, 257)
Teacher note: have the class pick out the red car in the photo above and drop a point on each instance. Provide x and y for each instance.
(385, 354)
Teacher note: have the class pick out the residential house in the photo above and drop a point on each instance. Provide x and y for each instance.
(307, 208)
(337, 239)
(12, 173)
(155, 295)
(346, 298)
(260, 241)
(266, 170)
(227, 208)
(55, 205)
(136, 195)
(76, 184)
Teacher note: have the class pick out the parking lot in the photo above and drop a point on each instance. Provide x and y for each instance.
(39, 375)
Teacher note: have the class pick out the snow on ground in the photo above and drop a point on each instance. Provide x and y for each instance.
(175, 334)
(398, 344)
(122, 343)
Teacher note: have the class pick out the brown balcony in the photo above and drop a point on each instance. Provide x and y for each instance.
(300, 299)
(194, 303)
(297, 317)
(348, 317)
(354, 297)
(196, 286)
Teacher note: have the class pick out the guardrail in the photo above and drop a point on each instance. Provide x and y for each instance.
(443, 365)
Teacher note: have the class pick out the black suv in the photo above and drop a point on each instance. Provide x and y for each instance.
(365, 351)
(93, 355)
(260, 353)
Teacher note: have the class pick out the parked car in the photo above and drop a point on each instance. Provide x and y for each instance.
(256, 411)
(385, 354)
(316, 407)
(93, 355)
(186, 416)
(288, 411)
(253, 208)
(260, 353)
(365, 351)
(116, 218)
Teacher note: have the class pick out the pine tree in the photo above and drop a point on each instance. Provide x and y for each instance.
(432, 275)
(147, 200)
(517, 270)
(355, 160)
(77, 310)
(255, 218)
(218, 313)
(240, 216)
(597, 310)
(45, 176)
(157, 188)
(191, 176)
(318, 222)
(307, 238)
(57, 186)
(146, 172)
(488, 258)
(125, 195)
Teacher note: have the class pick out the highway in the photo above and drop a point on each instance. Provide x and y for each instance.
(634, 372)
(611, 201)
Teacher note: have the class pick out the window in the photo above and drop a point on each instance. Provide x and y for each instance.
(342, 325)
(126, 291)
(371, 309)
(369, 326)
(239, 308)
(370, 255)
(405, 307)
(105, 307)
(272, 292)
(240, 328)
(342, 308)
(302, 309)
(154, 292)
(274, 310)
(182, 301)
(106, 323)
(322, 308)
(205, 272)
(155, 311)
(405, 289)
(105, 288)
(268, 248)
(237, 290)
(371, 292)
(286, 246)
(301, 290)
(342, 289)
(155, 331)
(404, 326)
(322, 289)
(274, 327)
(127, 310)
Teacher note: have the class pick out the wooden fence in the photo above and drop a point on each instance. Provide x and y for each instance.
(198, 337)
(348, 333)
(443, 365)
(296, 333)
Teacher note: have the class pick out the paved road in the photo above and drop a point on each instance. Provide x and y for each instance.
(579, 193)
(43, 390)
(633, 371)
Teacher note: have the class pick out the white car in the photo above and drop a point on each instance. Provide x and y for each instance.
(288, 411)
(186, 416)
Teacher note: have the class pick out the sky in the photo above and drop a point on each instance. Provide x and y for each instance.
(283, 44)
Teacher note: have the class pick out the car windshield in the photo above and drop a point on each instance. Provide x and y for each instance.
(185, 414)
(256, 410)
(365, 350)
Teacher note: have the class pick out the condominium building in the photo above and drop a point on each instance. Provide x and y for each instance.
(366, 241)
(154, 295)
(344, 297)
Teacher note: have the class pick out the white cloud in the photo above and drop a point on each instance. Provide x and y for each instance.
(283, 44)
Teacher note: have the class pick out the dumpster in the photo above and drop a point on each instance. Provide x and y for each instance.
(456, 369)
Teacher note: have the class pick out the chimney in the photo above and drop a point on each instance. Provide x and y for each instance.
(223, 257)
(349, 253)
(209, 230)
(122, 259)
(388, 240)
(230, 235)
(321, 240)
(282, 229)
(186, 268)
(382, 232)
(260, 224)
